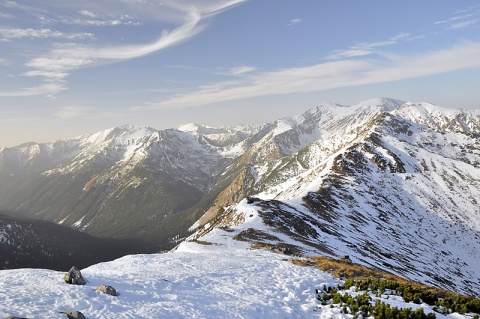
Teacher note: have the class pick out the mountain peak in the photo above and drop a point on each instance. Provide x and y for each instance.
(200, 129)
(330, 111)
(387, 104)
(120, 133)
(189, 127)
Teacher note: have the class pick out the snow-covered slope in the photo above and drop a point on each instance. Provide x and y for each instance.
(221, 280)
(390, 192)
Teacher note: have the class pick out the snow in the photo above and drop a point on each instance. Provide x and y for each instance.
(196, 281)
(225, 279)
(2, 235)
(282, 125)
(234, 151)
(189, 127)
(429, 213)
(387, 104)
(78, 223)
(64, 219)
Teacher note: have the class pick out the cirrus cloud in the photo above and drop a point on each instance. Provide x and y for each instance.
(295, 21)
(330, 75)
(242, 70)
(69, 112)
(54, 66)
(17, 33)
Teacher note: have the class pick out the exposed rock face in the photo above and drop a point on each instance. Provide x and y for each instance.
(74, 277)
(109, 290)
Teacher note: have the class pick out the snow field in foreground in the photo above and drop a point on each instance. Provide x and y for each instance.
(228, 284)
(221, 280)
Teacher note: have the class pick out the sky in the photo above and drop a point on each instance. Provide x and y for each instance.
(69, 68)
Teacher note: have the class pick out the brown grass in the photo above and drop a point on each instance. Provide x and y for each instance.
(341, 269)
(202, 242)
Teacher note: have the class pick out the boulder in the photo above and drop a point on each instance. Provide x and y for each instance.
(73, 314)
(74, 277)
(109, 290)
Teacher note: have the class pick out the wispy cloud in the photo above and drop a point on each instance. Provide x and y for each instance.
(330, 75)
(242, 70)
(295, 21)
(51, 13)
(464, 24)
(46, 89)
(4, 62)
(58, 63)
(14, 4)
(362, 49)
(68, 112)
(90, 19)
(17, 33)
(462, 18)
(55, 65)
(87, 13)
(5, 15)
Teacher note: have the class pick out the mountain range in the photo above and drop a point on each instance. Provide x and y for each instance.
(393, 184)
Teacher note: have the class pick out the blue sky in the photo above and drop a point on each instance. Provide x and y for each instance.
(76, 67)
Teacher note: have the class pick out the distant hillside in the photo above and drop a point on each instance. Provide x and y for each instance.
(124, 182)
(40, 244)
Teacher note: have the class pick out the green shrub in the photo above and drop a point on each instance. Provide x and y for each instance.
(362, 304)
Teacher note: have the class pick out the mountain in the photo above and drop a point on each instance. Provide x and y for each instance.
(392, 184)
(125, 182)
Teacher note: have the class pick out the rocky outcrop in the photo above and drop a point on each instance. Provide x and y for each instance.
(74, 277)
(109, 290)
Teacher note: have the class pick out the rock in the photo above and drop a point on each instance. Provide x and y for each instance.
(252, 200)
(73, 314)
(345, 259)
(74, 277)
(16, 318)
(282, 250)
(109, 290)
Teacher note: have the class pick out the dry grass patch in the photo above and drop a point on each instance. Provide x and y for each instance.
(341, 269)
(202, 242)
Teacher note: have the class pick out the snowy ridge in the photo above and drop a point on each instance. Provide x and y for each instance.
(297, 145)
(456, 120)
(396, 195)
